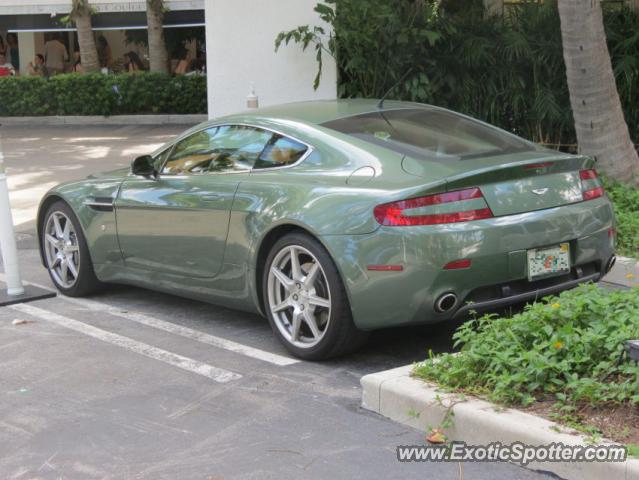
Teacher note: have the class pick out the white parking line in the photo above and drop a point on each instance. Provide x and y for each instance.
(175, 329)
(202, 337)
(217, 374)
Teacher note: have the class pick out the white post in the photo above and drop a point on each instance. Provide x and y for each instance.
(27, 51)
(7, 238)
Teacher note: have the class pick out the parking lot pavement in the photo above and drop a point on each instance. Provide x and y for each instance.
(38, 158)
(135, 384)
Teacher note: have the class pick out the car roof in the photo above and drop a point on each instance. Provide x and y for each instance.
(320, 111)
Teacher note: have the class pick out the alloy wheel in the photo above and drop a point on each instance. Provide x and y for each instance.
(62, 249)
(299, 296)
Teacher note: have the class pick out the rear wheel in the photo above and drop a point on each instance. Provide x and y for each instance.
(305, 300)
(65, 252)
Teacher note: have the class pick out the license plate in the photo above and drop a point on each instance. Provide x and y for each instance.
(548, 261)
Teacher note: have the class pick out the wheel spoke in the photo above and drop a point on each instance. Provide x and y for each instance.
(286, 282)
(319, 301)
(66, 230)
(72, 248)
(64, 271)
(282, 306)
(57, 226)
(312, 324)
(52, 240)
(296, 269)
(56, 262)
(312, 275)
(295, 326)
(72, 269)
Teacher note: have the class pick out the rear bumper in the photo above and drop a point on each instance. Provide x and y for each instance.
(529, 296)
(498, 273)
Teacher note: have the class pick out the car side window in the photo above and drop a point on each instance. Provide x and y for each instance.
(189, 154)
(227, 148)
(279, 152)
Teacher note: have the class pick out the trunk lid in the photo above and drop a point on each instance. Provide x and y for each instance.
(512, 183)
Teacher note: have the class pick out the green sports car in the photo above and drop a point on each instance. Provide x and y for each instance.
(334, 218)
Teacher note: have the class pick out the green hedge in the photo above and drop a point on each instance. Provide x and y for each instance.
(566, 350)
(97, 94)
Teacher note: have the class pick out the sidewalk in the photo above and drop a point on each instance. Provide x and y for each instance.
(625, 273)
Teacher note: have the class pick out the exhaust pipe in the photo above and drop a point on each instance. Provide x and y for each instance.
(611, 263)
(446, 302)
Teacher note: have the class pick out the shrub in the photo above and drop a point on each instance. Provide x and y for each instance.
(507, 70)
(626, 203)
(567, 348)
(98, 94)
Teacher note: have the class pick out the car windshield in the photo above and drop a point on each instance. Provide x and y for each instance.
(430, 134)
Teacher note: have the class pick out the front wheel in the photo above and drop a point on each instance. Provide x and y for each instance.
(306, 302)
(65, 252)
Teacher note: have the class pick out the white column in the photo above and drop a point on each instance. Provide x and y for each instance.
(209, 6)
(8, 245)
(26, 44)
(240, 49)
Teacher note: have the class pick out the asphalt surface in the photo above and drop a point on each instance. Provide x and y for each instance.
(134, 384)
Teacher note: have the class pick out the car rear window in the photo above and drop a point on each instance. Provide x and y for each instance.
(429, 134)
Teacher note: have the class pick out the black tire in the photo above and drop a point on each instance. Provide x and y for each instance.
(340, 336)
(86, 282)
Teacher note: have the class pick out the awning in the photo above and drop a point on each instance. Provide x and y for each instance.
(101, 21)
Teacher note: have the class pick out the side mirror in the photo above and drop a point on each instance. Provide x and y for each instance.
(144, 166)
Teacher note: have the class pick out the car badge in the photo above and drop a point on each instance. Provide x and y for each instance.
(540, 191)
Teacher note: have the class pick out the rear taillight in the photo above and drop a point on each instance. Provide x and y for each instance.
(590, 174)
(395, 214)
(590, 184)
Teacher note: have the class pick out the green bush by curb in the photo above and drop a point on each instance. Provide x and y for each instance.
(97, 94)
(567, 349)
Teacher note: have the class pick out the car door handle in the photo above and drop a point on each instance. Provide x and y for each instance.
(210, 198)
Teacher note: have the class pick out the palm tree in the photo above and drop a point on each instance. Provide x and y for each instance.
(602, 131)
(81, 16)
(158, 56)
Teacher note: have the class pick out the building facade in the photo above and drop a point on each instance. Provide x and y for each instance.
(239, 44)
(34, 21)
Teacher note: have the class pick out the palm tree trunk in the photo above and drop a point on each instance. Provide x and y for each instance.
(601, 129)
(158, 56)
(81, 15)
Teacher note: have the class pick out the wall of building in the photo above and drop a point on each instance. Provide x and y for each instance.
(240, 38)
(13, 7)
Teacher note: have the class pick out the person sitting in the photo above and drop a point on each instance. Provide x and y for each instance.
(199, 63)
(133, 63)
(37, 68)
(182, 66)
(6, 69)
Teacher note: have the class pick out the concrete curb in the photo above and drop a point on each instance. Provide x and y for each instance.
(100, 120)
(624, 268)
(396, 395)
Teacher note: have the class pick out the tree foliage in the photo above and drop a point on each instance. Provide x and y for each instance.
(507, 70)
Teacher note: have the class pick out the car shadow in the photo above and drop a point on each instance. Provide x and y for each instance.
(385, 349)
